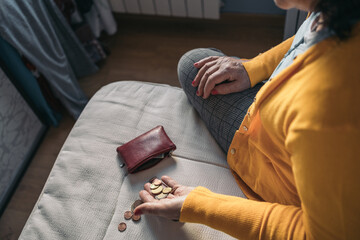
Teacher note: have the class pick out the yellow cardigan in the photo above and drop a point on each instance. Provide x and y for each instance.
(296, 155)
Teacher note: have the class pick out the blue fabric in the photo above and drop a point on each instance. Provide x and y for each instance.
(22, 78)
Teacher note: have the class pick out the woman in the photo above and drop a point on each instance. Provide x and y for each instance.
(295, 154)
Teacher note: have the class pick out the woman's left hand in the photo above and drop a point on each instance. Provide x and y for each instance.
(169, 207)
(215, 70)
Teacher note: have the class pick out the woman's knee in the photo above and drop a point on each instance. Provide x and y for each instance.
(186, 69)
(186, 66)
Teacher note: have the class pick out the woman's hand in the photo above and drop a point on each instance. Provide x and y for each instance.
(215, 70)
(169, 207)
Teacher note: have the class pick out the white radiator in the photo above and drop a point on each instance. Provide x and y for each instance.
(209, 9)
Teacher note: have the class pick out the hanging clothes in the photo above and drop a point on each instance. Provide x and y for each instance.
(79, 60)
(100, 17)
(67, 8)
(25, 82)
(39, 31)
(94, 49)
(53, 102)
(84, 6)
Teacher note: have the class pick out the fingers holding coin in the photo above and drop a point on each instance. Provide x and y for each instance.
(163, 197)
(163, 188)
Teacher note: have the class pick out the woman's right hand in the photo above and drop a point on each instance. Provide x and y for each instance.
(169, 207)
(213, 71)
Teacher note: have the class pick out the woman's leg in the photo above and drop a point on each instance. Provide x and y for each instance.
(222, 114)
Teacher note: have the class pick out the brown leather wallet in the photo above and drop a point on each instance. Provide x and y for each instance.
(146, 150)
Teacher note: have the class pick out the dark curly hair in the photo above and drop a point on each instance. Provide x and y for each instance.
(340, 15)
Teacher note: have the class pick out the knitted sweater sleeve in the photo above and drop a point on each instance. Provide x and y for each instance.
(261, 67)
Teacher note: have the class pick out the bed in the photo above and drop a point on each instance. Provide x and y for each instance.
(88, 190)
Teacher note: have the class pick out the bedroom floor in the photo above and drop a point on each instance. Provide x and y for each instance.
(145, 48)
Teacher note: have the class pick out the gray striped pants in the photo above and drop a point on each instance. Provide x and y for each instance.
(222, 114)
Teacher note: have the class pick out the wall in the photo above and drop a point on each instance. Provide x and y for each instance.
(251, 6)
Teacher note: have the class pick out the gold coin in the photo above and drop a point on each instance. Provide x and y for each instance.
(161, 196)
(153, 186)
(136, 217)
(122, 227)
(167, 190)
(157, 182)
(135, 204)
(128, 215)
(157, 191)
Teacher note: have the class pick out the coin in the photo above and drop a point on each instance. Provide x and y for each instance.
(161, 196)
(157, 191)
(122, 227)
(157, 182)
(153, 186)
(167, 190)
(135, 204)
(136, 217)
(128, 215)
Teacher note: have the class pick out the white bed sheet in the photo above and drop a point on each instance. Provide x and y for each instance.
(87, 191)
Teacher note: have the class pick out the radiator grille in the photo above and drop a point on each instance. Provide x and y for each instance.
(209, 9)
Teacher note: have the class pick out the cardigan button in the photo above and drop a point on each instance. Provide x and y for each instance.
(232, 151)
(245, 128)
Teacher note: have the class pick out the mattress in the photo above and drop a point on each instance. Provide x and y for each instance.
(88, 190)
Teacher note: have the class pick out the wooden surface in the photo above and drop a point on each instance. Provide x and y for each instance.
(146, 49)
